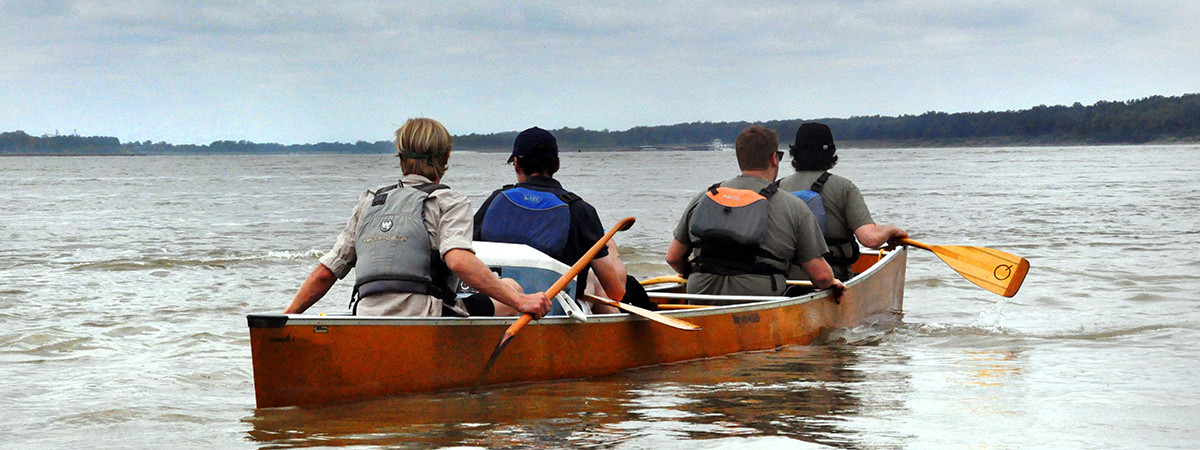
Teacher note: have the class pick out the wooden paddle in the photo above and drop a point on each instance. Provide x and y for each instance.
(990, 269)
(571, 273)
(664, 279)
(681, 280)
(677, 306)
(665, 320)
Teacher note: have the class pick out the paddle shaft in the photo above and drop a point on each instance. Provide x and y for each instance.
(664, 279)
(574, 271)
(554, 289)
(675, 306)
(682, 280)
(918, 244)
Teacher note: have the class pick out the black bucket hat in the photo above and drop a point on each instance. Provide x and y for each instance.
(814, 137)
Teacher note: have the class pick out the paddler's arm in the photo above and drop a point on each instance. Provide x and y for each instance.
(611, 273)
(677, 254)
(314, 287)
(476, 274)
(874, 236)
(822, 275)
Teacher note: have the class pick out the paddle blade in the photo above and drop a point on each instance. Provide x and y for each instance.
(509, 334)
(648, 314)
(491, 361)
(988, 268)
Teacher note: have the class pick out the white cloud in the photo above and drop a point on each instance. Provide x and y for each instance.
(312, 71)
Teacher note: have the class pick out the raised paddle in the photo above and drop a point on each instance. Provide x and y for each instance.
(990, 269)
(665, 320)
(571, 273)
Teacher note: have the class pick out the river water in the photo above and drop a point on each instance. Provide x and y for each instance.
(125, 282)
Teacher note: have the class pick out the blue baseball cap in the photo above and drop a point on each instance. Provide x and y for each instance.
(534, 142)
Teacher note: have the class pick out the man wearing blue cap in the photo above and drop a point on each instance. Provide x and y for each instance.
(538, 212)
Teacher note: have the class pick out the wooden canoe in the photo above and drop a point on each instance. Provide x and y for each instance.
(311, 359)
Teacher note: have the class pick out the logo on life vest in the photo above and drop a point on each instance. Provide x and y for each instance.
(386, 225)
(1002, 272)
(734, 198)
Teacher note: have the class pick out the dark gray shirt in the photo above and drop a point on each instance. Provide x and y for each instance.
(845, 210)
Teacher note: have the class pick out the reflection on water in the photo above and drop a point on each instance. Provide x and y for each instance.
(802, 394)
(990, 367)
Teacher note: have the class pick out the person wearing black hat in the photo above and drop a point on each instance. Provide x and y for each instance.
(740, 236)
(845, 213)
(538, 212)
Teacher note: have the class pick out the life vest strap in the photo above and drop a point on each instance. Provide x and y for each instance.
(820, 183)
(382, 193)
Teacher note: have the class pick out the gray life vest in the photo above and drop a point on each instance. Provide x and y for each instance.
(730, 226)
(394, 252)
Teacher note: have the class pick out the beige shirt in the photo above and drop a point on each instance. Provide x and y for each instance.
(448, 219)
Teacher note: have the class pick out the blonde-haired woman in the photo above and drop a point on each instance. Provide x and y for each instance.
(409, 240)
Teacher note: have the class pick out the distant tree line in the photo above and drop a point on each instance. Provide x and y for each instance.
(1151, 119)
(18, 142)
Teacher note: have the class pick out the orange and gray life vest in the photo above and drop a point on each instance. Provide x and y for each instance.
(395, 254)
(730, 226)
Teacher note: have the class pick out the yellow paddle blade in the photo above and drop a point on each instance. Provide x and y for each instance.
(988, 268)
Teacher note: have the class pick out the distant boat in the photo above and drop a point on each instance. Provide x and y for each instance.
(719, 146)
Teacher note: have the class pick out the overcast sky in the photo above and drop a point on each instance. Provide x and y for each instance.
(312, 71)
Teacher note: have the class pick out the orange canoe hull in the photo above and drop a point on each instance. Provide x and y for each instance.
(307, 360)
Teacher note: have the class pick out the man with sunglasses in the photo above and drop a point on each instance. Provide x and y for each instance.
(740, 236)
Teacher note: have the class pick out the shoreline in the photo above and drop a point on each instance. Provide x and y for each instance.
(860, 144)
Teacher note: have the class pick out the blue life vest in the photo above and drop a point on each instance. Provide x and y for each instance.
(521, 215)
(842, 252)
(812, 198)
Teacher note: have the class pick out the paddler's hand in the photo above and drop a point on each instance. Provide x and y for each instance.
(896, 237)
(838, 289)
(536, 305)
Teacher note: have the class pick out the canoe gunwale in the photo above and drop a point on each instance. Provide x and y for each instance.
(766, 302)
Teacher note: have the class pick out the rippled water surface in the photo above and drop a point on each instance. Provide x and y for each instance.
(125, 282)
